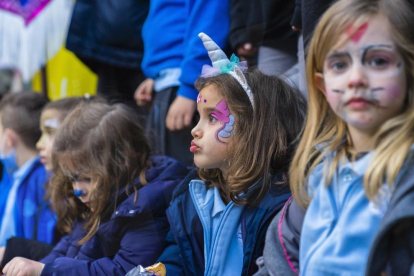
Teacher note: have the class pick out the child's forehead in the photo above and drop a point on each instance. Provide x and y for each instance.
(209, 96)
(374, 30)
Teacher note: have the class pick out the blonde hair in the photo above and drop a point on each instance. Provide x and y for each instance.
(324, 132)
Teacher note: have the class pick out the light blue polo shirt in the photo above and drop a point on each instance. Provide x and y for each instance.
(340, 222)
(223, 240)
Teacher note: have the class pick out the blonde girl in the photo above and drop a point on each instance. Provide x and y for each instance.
(352, 165)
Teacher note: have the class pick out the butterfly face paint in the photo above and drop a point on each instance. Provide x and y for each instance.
(365, 81)
(222, 113)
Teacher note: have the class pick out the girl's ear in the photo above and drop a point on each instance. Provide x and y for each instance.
(320, 82)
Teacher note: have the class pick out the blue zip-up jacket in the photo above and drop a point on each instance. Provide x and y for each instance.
(33, 217)
(184, 254)
(133, 235)
(170, 35)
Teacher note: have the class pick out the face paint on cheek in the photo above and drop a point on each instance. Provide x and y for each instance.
(356, 35)
(226, 119)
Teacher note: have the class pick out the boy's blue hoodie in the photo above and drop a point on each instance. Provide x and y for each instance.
(170, 35)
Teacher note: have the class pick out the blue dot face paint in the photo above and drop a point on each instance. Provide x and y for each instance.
(78, 193)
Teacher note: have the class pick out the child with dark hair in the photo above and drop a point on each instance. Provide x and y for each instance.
(242, 146)
(109, 195)
(51, 118)
(23, 176)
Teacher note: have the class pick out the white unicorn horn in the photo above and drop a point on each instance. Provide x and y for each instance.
(217, 56)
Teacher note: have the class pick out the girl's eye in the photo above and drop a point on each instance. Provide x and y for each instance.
(212, 119)
(339, 66)
(378, 62)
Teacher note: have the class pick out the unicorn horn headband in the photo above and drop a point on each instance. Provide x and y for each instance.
(222, 65)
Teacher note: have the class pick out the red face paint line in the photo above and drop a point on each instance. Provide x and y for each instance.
(357, 35)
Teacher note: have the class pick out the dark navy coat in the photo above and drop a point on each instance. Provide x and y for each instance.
(108, 32)
(184, 254)
(134, 234)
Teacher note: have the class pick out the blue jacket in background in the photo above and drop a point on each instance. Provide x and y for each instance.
(171, 40)
(184, 254)
(135, 233)
(33, 216)
(108, 32)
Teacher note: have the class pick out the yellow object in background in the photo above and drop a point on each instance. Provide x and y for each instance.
(66, 76)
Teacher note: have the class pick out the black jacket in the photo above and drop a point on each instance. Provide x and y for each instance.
(264, 22)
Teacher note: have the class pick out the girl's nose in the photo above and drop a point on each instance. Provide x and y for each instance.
(357, 77)
(40, 143)
(196, 132)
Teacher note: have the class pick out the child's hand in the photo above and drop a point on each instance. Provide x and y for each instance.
(23, 267)
(143, 94)
(2, 250)
(180, 113)
(246, 50)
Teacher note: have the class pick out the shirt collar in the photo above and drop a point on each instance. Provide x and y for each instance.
(219, 205)
(23, 169)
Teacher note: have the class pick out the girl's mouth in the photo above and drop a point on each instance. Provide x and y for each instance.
(359, 103)
(194, 147)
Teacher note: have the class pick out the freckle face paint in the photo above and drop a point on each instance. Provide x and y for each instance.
(227, 120)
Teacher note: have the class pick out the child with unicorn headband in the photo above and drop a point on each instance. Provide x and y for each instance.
(242, 146)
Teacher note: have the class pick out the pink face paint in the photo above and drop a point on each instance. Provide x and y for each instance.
(357, 35)
(199, 98)
(222, 114)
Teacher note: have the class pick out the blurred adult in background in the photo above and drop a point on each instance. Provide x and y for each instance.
(106, 36)
(173, 58)
(263, 28)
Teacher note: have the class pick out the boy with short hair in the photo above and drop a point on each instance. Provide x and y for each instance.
(23, 175)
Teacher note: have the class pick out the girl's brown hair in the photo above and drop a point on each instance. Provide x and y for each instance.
(265, 137)
(324, 131)
(107, 143)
